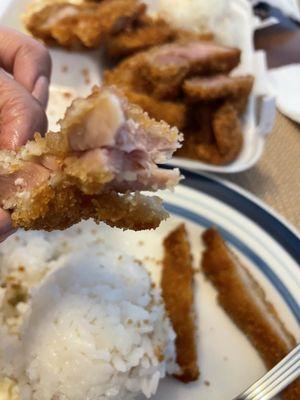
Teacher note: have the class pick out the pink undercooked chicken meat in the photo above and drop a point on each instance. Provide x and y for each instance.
(166, 67)
(107, 151)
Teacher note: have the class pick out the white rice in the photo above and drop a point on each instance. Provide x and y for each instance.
(89, 323)
(197, 15)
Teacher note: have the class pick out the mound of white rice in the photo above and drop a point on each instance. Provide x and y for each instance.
(79, 320)
(198, 15)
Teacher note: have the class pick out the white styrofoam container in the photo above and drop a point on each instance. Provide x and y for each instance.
(257, 122)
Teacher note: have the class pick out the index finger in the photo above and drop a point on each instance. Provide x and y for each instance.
(27, 60)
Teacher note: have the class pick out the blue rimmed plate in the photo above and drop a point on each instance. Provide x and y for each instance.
(267, 245)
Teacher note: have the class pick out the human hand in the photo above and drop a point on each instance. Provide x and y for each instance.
(25, 68)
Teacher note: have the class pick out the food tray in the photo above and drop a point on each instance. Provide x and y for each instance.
(74, 73)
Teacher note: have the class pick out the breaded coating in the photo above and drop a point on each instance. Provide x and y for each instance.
(87, 24)
(166, 67)
(227, 131)
(236, 89)
(178, 295)
(218, 138)
(243, 299)
(107, 152)
(144, 33)
(173, 113)
(63, 206)
(125, 76)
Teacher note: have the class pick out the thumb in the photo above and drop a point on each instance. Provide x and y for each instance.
(21, 115)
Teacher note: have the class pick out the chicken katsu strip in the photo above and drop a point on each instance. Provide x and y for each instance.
(87, 24)
(106, 152)
(145, 32)
(177, 292)
(245, 302)
(227, 135)
(166, 67)
(125, 76)
(236, 89)
(217, 137)
(173, 113)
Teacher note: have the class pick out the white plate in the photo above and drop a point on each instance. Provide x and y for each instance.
(258, 121)
(267, 246)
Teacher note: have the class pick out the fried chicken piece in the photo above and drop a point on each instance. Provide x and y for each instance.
(227, 131)
(216, 137)
(145, 32)
(236, 89)
(125, 76)
(173, 113)
(106, 153)
(87, 24)
(241, 296)
(228, 139)
(166, 67)
(177, 292)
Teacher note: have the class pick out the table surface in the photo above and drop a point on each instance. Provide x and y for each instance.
(276, 177)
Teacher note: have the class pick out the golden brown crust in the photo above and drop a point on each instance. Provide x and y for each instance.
(144, 33)
(165, 69)
(217, 137)
(177, 291)
(126, 73)
(221, 267)
(174, 113)
(64, 206)
(126, 77)
(87, 24)
(228, 132)
(236, 89)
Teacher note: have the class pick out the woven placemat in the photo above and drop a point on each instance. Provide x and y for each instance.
(275, 179)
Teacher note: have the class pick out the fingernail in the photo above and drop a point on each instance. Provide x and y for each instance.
(6, 228)
(41, 90)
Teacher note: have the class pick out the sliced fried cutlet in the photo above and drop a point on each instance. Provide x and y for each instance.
(228, 138)
(166, 67)
(227, 131)
(144, 33)
(237, 89)
(177, 292)
(243, 299)
(173, 113)
(86, 24)
(125, 76)
(105, 154)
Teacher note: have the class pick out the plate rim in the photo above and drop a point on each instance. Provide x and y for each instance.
(193, 179)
